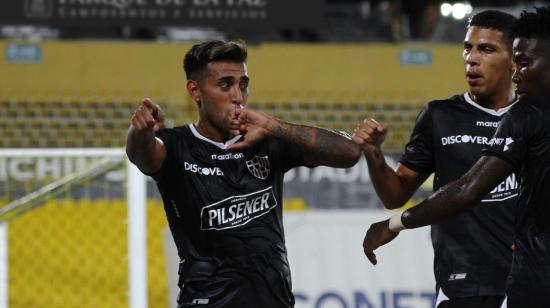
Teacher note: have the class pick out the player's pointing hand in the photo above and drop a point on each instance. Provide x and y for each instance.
(148, 116)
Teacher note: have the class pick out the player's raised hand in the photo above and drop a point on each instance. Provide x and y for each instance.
(148, 116)
(369, 135)
(252, 124)
(378, 234)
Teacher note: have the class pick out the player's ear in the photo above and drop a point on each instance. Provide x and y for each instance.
(194, 91)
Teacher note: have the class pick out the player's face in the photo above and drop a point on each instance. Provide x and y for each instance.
(223, 88)
(488, 62)
(532, 75)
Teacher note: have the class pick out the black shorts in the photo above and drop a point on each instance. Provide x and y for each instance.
(207, 285)
(473, 302)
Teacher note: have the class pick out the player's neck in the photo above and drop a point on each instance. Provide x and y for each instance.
(496, 101)
(210, 132)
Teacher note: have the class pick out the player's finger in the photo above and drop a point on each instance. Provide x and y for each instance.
(374, 121)
(234, 123)
(147, 102)
(372, 257)
(382, 129)
(136, 123)
(138, 120)
(357, 139)
(370, 122)
(241, 114)
(234, 132)
(146, 118)
(364, 133)
(365, 129)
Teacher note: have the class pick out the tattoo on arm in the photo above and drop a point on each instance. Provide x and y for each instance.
(320, 146)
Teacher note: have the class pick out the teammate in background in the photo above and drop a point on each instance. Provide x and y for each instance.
(472, 252)
(223, 193)
(521, 145)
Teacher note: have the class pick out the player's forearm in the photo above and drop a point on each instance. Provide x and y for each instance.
(446, 202)
(388, 185)
(460, 195)
(320, 146)
(142, 149)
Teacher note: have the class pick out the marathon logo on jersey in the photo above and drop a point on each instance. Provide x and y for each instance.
(486, 123)
(227, 156)
(259, 167)
(210, 171)
(465, 139)
(237, 211)
(505, 190)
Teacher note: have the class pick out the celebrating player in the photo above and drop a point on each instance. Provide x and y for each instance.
(521, 145)
(221, 182)
(472, 254)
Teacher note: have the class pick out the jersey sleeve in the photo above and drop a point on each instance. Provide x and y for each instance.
(169, 139)
(419, 151)
(509, 140)
(287, 155)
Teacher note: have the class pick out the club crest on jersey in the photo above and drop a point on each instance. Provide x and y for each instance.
(259, 167)
(237, 211)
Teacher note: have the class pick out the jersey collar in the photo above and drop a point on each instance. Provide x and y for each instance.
(500, 112)
(220, 145)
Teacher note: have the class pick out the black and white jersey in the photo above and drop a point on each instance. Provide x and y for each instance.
(225, 212)
(472, 251)
(523, 139)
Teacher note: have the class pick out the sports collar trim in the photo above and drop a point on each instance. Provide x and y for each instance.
(499, 113)
(220, 145)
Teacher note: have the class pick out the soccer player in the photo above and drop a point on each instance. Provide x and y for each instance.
(472, 252)
(521, 145)
(222, 193)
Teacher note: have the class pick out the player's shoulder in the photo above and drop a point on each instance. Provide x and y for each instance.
(174, 134)
(443, 107)
(532, 111)
(178, 130)
(454, 100)
(538, 104)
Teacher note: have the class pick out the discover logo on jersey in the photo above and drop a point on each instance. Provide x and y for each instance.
(202, 170)
(237, 211)
(469, 139)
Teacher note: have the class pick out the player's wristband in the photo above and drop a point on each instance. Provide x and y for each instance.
(395, 224)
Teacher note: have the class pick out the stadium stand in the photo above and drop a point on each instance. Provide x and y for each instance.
(104, 123)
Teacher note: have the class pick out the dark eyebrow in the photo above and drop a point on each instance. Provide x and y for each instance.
(231, 78)
(485, 45)
(226, 78)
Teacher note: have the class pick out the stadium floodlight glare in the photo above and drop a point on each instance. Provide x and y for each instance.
(459, 11)
(446, 9)
(469, 8)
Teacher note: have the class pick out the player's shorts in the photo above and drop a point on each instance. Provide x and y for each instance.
(209, 285)
(473, 302)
